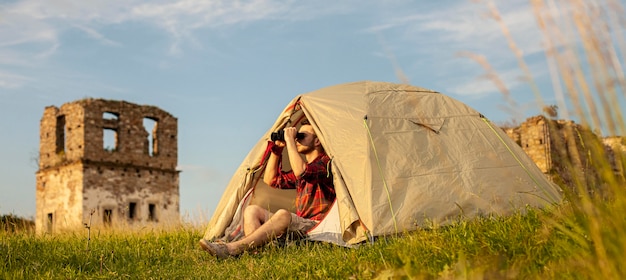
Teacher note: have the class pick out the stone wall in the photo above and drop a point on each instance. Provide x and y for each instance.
(535, 141)
(123, 186)
(59, 198)
(616, 149)
(562, 148)
(97, 154)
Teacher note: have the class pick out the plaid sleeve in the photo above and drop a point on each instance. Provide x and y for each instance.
(284, 180)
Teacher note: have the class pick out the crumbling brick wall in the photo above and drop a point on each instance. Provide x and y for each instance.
(533, 136)
(564, 150)
(97, 157)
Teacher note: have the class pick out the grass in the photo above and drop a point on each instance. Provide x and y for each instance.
(519, 246)
(584, 238)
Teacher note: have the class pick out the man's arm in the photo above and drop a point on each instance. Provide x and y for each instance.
(298, 165)
(271, 170)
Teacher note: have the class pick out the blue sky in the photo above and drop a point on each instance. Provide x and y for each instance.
(227, 68)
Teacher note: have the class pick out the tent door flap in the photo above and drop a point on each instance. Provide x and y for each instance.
(433, 124)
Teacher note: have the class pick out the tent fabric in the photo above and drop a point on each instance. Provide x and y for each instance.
(402, 156)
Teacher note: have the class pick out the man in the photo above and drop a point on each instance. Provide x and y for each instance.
(312, 179)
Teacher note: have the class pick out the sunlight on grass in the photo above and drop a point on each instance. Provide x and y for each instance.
(585, 47)
(519, 245)
(585, 238)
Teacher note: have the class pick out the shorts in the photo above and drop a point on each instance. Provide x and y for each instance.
(300, 225)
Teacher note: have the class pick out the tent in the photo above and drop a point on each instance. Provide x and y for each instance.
(402, 157)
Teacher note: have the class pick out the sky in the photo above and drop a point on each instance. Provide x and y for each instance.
(227, 68)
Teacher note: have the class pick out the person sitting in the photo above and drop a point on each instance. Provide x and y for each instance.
(315, 193)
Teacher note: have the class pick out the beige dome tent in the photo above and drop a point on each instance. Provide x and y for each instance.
(402, 156)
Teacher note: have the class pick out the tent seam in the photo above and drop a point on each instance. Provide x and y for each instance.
(393, 214)
(519, 162)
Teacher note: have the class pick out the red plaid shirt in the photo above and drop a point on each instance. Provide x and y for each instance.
(315, 191)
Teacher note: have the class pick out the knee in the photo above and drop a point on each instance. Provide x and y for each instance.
(253, 211)
(283, 215)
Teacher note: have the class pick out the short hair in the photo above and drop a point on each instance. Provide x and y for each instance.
(305, 122)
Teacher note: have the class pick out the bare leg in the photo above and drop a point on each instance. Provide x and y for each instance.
(253, 217)
(275, 226)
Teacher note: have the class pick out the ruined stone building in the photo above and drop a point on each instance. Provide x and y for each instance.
(562, 149)
(533, 136)
(106, 162)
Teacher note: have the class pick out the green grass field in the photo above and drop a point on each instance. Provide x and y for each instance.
(583, 238)
(538, 244)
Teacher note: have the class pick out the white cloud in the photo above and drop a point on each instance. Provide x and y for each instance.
(439, 33)
(16, 30)
(178, 18)
(484, 83)
(40, 21)
(105, 11)
(435, 32)
(12, 57)
(98, 36)
(11, 81)
(31, 31)
(472, 26)
(182, 18)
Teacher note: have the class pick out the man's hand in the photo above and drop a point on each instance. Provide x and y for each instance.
(290, 133)
(298, 165)
(279, 143)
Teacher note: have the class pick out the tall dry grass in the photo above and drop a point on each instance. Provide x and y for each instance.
(585, 47)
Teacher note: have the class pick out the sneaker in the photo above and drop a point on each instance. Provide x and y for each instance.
(216, 249)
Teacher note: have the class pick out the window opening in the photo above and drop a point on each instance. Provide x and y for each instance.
(61, 133)
(110, 135)
(132, 211)
(110, 140)
(152, 212)
(107, 217)
(49, 223)
(152, 144)
(109, 116)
